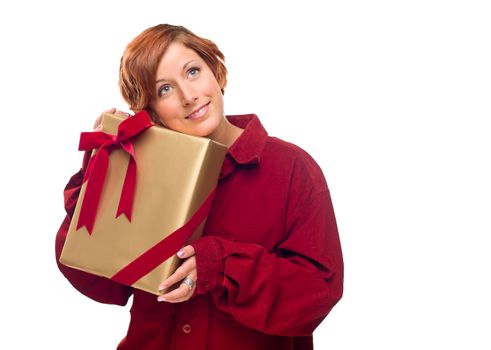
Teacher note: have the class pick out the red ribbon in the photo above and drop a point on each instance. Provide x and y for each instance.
(164, 249)
(98, 164)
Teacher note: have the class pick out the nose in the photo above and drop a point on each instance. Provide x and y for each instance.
(189, 95)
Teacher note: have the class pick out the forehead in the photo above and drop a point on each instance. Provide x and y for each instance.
(176, 57)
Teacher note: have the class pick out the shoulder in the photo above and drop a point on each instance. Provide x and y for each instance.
(292, 158)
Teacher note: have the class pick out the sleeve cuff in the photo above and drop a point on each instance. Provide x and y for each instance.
(209, 263)
(71, 192)
(72, 188)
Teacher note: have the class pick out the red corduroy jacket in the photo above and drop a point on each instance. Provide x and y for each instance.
(269, 263)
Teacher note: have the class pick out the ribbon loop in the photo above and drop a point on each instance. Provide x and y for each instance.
(97, 168)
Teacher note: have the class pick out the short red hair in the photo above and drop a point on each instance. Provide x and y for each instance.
(142, 56)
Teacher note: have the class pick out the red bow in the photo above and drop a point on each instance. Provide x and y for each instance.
(97, 167)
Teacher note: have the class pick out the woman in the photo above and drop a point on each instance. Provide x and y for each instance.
(268, 267)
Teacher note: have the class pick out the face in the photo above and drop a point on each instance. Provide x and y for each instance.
(189, 98)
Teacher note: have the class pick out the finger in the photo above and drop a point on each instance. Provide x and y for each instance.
(99, 118)
(188, 268)
(97, 122)
(186, 252)
(180, 294)
(122, 114)
(184, 270)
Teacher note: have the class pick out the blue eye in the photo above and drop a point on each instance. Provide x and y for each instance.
(164, 90)
(193, 71)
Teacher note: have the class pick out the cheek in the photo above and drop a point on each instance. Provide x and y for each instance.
(210, 85)
(167, 109)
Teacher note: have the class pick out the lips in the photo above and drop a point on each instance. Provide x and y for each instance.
(200, 112)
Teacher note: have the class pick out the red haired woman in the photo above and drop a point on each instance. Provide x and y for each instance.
(268, 267)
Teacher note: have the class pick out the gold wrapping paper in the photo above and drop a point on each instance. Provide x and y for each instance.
(175, 173)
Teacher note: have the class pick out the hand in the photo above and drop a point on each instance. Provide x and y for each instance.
(98, 125)
(187, 269)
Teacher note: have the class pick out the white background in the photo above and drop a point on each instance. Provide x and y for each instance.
(392, 98)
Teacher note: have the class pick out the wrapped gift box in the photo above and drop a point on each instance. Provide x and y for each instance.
(175, 175)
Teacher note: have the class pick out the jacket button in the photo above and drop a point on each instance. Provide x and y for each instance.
(186, 328)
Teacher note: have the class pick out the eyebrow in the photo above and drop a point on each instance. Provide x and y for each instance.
(183, 68)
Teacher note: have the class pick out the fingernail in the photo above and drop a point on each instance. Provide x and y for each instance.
(180, 253)
(161, 298)
(162, 287)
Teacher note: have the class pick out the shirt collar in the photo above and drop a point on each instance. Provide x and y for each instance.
(249, 145)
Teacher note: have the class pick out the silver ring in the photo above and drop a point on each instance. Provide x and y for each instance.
(189, 282)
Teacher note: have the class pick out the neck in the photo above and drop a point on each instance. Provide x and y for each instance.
(227, 134)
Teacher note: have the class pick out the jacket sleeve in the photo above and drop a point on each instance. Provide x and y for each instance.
(285, 292)
(98, 288)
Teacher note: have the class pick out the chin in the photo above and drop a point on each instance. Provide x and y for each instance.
(207, 129)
